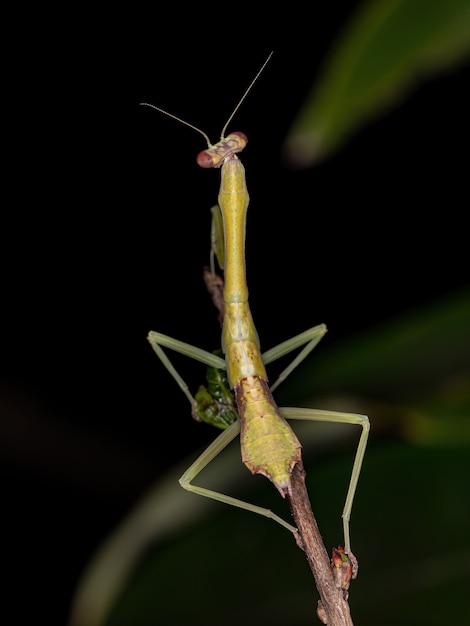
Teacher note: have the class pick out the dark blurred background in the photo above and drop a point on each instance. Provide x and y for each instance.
(106, 231)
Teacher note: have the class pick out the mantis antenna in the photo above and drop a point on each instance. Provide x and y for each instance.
(247, 91)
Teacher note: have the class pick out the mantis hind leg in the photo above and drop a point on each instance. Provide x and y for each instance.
(309, 340)
(341, 418)
(205, 458)
(157, 340)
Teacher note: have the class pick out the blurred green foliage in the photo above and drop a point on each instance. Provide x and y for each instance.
(386, 49)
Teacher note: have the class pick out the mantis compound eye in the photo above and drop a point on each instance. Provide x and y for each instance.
(224, 149)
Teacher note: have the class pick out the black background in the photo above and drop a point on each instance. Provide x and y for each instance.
(106, 231)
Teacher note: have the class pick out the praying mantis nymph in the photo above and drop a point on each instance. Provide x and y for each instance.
(268, 444)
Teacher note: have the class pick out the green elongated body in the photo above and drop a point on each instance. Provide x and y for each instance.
(268, 444)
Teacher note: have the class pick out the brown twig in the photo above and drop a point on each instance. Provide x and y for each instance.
(334, 604)
(215, 287)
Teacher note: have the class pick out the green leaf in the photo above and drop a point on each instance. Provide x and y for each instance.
(387, 48)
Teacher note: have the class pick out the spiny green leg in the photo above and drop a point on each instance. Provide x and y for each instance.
(309, 337)
(158, 339)
(213, 404)
(341, 418)
(205, 458)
